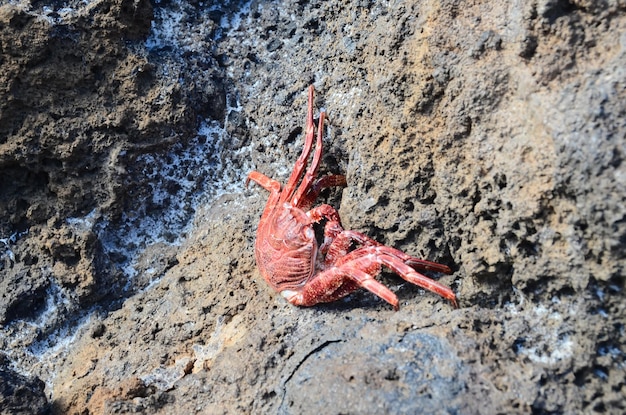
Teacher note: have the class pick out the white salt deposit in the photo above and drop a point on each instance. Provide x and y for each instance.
(188, 176)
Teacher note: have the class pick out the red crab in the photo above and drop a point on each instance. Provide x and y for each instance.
(305, 273)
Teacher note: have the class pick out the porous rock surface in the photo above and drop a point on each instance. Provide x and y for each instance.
(489, 136)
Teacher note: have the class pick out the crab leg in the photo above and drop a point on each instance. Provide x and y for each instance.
(307, 181)
(409, 274)
(268, 184)
(301, 163)
(359, 270)
(342, 242)
(323, 182)
(336, 283)
(364, 257)
(340, 246)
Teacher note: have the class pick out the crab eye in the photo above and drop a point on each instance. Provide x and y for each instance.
(308, 233)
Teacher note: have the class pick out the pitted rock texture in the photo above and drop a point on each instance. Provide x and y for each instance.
(486, 136)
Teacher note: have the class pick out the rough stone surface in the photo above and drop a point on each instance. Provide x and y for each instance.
(489, 136)
(19, 394)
